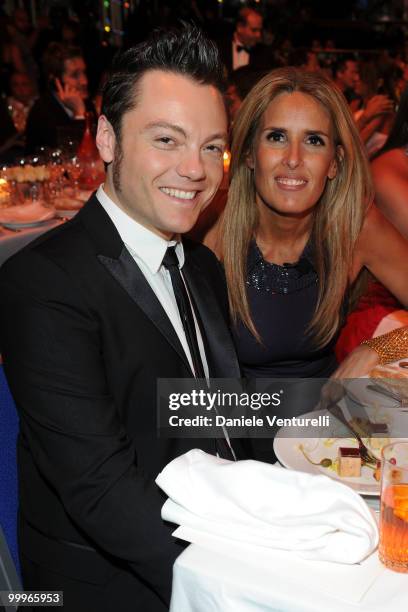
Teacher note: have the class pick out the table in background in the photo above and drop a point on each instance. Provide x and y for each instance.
(11, 241)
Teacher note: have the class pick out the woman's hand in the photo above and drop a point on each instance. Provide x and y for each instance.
(377, 105)
(358, 363)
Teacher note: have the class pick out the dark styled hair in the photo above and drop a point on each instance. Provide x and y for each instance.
(54, 59)
(244, 12)
(185, 51)
(340, 64)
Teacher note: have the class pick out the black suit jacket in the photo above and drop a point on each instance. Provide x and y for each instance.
(260, 56)
(84, 339)
(49, 125)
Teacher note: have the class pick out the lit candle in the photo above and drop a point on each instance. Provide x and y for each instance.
(4, 192)
(227, 160)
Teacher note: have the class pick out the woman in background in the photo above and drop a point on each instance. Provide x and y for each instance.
(390, 175)
(390, 171)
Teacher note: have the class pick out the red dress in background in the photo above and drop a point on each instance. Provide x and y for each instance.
(361, 324)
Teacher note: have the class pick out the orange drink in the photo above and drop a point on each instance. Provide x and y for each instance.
(393, 547)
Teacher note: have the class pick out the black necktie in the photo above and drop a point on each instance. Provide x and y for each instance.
(242, 48)
(170, 262)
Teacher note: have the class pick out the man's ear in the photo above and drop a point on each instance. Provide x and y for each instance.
(105, 140)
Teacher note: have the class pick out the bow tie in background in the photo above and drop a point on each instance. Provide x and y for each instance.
(242, 48)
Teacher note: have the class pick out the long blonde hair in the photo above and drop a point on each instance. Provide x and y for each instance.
(338, 216)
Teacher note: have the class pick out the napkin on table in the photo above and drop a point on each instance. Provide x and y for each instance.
(262, 504)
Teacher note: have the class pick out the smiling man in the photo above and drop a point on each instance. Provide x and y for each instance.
(91, 317)
(167, 159)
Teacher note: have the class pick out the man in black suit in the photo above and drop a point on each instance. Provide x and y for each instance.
(346, 76)
(89, 321)
(245, 47)
(59, 114)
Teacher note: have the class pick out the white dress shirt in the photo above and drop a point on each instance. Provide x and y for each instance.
(148, 250)
(239, 58)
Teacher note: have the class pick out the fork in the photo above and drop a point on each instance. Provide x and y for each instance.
(383, 391)
(366, 455)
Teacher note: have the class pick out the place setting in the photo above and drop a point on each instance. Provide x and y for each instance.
(42, 187)
(23, 216)
(329, 516)
(370, 414)
(303, 528)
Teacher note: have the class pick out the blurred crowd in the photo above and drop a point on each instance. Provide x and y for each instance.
(51, 74)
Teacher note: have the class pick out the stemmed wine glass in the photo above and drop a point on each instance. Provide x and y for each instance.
(56, 170)
(74, 172)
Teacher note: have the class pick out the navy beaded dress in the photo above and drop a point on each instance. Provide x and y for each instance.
(282, 300)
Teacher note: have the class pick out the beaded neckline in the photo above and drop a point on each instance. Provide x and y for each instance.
(288, 278)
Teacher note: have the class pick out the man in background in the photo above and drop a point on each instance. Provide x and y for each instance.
(20, 100)
(59, 114)
(245, 47)
(346, 76)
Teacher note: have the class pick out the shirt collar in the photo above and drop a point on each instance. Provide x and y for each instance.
(68, 111)
(145, 244)
(238, 43)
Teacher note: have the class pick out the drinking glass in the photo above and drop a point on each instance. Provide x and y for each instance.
(393, 547)
(56, 172)
(74, 170)
(6, 187)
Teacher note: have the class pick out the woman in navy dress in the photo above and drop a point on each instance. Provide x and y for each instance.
(299, 226)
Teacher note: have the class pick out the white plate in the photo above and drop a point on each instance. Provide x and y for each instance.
(358, 389)
(289, 455)
(21, 225)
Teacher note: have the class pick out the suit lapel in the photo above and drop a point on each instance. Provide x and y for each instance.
(117, 260)
(127, 273)
(222, 352)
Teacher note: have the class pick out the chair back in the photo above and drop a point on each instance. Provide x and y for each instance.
(8, 468)
(9, 580)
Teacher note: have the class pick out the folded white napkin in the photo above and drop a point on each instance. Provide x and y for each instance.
(26, 213)
(263, 504)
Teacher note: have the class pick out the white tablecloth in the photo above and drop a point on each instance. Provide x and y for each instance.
(208, 581)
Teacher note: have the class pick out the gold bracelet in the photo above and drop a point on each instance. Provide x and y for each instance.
(390, 347)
